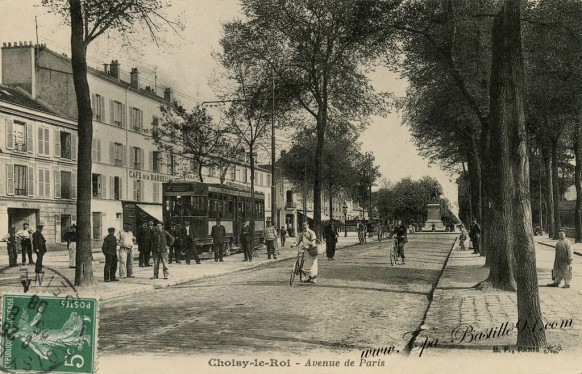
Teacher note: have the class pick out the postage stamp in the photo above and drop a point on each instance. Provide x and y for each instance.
(45, 333)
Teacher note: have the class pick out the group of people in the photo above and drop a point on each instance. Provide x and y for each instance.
(28, 241)
(153, 242)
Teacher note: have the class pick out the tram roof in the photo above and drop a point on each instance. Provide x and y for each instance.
(214, 187)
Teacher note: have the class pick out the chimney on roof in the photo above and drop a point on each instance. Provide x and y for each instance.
(134, 78)
(283, 153)
(114, 69)
(168, 95)
(106, 68)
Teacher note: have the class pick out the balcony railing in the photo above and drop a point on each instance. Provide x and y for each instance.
(290, 205)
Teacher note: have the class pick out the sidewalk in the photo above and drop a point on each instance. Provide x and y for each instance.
(459, 312)
(58, 277)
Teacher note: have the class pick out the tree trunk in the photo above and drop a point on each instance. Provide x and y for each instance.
(476, 190)
(83, 268)
(502, 187)
(508, 115)
(546, 155)
(556, 186)
(330, 202)
(578, 179)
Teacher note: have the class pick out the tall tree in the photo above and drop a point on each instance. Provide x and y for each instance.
(318, 49)
(340, 176)
(194, 137)
(88, 21)
(509, 130)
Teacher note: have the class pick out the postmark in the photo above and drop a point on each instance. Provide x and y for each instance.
(54, 331)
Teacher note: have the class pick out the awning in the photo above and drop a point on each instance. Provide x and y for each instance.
(154, 211)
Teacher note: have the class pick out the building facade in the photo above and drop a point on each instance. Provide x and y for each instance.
(38, 166)
(128, 168)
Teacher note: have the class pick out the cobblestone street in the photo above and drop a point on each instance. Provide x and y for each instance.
(360, 302)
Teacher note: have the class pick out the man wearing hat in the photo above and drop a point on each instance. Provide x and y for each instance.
(39, 247)
(475, 236)
(562, 262)
(176, 248)
(218, 234)
(187, 236)
(109, 249)
(71, 238)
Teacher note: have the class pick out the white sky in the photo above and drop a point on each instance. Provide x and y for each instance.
(186, 65)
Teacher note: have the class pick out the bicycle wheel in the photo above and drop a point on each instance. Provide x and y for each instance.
(393, 255)
(292, 278)
(300, 271)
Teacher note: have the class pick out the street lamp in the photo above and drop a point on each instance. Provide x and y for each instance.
(345, 211)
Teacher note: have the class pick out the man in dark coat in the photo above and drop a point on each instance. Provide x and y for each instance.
(402, 235)
(246, 241)
(331, 234)
(161, 242)
(109, 249)
(143, 238)
(175, 248)
(11, 244)
(39, 247)
(148, 253)
(187, 236)
(218, 234)
(475, 236)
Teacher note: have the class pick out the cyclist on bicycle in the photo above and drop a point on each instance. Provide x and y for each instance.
(361, 232)
(307, 239)
(401, 234)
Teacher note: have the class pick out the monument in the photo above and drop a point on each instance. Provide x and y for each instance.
(433, 212)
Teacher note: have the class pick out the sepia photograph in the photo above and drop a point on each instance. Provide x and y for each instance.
(291, 186)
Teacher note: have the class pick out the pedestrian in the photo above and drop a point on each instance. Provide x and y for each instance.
(11, 245)
(562, 261)
(331, 234)
(126, 241)
(218, 234)
(187, 236)
(71, 238)
(308, 240)
(143, 239)
(475, 235)
(283, 234)
(462, 237)
(270, 237)
(176, 247)
(148, 253)
(109, 249)
(25, 235)
(401, 234)
(161, 243)
(39, 247)
(246, 236)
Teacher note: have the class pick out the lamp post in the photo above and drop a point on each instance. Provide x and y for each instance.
(345, 211)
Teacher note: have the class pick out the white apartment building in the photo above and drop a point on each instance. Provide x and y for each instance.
(38, 166)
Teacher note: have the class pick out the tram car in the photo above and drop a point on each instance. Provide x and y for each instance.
(202, 203)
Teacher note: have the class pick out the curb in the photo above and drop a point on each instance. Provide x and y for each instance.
(551, 246)
(430, 297)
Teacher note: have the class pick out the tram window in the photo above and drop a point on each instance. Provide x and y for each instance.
(230, 208)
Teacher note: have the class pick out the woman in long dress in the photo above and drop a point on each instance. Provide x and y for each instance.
(562, 261)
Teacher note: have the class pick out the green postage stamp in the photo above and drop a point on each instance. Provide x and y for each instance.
(48, 334)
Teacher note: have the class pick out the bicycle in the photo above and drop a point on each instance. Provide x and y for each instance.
(394, 253)
(298, 267)
(362, 237)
